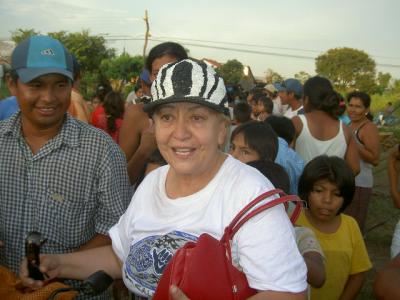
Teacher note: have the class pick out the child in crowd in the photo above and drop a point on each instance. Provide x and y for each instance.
(327, 185)
(263, 107)
(255, 143)
(287, 157)
(241, 113)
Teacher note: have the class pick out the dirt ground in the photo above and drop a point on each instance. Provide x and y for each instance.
(381, 220)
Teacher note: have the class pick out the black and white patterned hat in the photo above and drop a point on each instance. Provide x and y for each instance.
(188, 80)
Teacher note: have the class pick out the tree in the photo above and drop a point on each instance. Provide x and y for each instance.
(382, 81)
(19, 34)
(271, 76)
(231, 71)
(89, 50)
(123, 67)
(348, 69)
(302, 76)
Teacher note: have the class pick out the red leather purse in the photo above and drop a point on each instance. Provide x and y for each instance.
(204, 270)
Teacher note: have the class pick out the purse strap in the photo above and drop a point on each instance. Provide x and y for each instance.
(243, 216)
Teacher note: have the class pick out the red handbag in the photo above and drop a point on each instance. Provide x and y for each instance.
(204, 270)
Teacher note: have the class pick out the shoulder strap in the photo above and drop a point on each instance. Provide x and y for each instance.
(243, 216)
(357, 132)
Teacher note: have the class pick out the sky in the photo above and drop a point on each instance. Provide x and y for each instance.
(284, 35)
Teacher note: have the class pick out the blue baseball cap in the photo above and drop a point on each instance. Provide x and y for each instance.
(40, 55)
(145, 76)
(291, 85)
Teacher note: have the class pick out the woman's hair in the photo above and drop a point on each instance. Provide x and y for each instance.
(266, 102)
(274, 172)
(331, 168)
(365, 99)
(102, 90)
(114, 107)
(259, 137)
(242, 112)
(321, 96)
(168, 48)
(283, 127)
(342, 105)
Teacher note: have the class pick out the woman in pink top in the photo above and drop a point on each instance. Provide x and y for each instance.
(319, 131)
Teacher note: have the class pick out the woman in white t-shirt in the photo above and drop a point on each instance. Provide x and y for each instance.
(200, 190)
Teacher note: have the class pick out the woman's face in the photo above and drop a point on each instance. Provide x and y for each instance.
(356, 110)
(324, 201)
(158, 63)
(188, 136)
(241, 151)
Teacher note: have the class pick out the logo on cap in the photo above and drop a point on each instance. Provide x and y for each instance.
(48, 51)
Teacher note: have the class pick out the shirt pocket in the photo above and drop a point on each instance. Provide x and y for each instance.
(64, 221)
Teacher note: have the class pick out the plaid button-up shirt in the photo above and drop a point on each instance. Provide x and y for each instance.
(74, 187)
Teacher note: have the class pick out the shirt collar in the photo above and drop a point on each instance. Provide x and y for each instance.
(69, 134)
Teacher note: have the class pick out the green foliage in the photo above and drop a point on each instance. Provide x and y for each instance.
(271, 76)
(90, 50)
(19, 34)
(302, 76)
(382, 81)
(124, 67)
(231, 71)
(348, 69)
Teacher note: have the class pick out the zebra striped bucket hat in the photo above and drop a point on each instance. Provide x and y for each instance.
(191, 81)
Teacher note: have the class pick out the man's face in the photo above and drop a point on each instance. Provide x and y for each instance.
(284, 97)
(42, 101)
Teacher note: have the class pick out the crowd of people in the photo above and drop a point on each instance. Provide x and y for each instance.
(124, 185)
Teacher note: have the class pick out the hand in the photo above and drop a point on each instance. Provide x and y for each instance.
(49, 266)
(176, 293)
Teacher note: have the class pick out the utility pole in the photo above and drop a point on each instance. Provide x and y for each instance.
(146, 35)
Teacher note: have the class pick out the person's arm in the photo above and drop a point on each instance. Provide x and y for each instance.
(315, 269)
(353, 286)
(394, 176)
(298, 126)
(386, 283)
(369, 152)
(311, 251)
(136, 139)
(134, 122)
(98, 240)
(146, 148)
(351, 156)
(77, 265)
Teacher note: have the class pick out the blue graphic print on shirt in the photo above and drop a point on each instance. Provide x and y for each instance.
(147, 259)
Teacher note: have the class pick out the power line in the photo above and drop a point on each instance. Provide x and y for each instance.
(244, 50)
(255, 45)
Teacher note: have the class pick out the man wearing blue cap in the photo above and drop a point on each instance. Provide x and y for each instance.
(291, 92)
(60, 177)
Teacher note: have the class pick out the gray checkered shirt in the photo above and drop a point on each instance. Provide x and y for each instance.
(74, 187)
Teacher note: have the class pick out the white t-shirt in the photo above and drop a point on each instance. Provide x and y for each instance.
(131, 98)
(155, 226)
(279, 109)
(292, 113)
